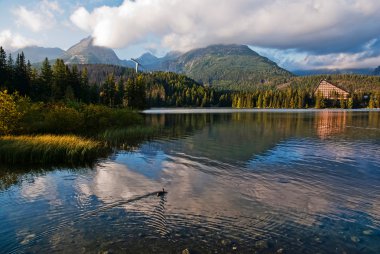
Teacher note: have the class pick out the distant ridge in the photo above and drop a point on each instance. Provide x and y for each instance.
(376, 72)
(363, 71)
(37, 54)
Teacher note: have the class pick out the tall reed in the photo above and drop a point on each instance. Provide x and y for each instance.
(49, 149)
(131, 135)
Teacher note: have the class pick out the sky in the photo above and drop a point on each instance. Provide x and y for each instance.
(297, 34)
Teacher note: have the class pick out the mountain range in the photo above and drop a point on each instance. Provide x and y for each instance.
(216, 65)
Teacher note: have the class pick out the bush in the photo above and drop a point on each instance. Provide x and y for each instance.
(52, 119)
(98, 118)
(61, 119)
(9, 115)
(19, 115)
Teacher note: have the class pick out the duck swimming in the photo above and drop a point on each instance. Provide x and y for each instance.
(161, 193)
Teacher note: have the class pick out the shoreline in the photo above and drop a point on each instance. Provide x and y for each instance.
(246, 110)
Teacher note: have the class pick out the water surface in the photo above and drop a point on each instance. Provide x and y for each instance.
(237, 182)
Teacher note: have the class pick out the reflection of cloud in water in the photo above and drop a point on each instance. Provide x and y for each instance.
(316, 181)
(147, 162)
(302, 201)
(318, 178)
(41, 187)
(192, 192)
(38, 187)
(114, 182)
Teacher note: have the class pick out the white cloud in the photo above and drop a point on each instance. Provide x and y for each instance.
(10, 41)
(81, 19)
(40, 18)
(30, 19)
(368, 57)
(342, 61)
(321, 26)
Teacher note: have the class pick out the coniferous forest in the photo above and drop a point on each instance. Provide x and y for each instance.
(119, 87)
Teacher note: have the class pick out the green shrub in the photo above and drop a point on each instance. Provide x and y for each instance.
(97, 118)
(61, 119)
(9, 115)
(51, 119)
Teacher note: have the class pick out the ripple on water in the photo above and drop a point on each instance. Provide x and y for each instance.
(264, 189)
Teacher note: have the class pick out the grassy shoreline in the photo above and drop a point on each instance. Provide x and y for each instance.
(49, 149)
(62, 149)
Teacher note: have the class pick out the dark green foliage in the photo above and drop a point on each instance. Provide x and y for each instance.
(3, 66)
(99, 118)
(79, 119)
(135, 96)
(52, 83)
(166, 89)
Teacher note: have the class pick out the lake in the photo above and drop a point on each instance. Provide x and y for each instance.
(248, 181)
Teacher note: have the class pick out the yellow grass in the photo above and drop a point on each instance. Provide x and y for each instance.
(48, 149)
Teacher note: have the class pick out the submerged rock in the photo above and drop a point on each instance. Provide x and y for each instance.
(27, 239)
(368, 232)
(262, 244)
(105, 252)
(355, 239)
(225, 242)
(280, 251)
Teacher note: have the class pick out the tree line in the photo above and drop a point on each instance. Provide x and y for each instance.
(116, 86)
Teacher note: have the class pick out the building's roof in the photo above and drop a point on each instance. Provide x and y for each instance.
(324, 80)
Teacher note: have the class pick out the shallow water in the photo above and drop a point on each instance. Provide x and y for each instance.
(237, 182)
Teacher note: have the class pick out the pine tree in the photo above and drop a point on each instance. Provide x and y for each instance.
(350, 103)
(342, 103)
(60, 79)
(3, 67)
(21, 78)
(46, 80)
(371, 103)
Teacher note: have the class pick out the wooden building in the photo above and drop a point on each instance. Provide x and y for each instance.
(330, 91)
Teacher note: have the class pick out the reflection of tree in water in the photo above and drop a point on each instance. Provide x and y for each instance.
(157, 219)
(7, 179)
(231, 137)
(14, 175)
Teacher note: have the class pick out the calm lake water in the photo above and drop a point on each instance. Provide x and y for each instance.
(237, 182)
